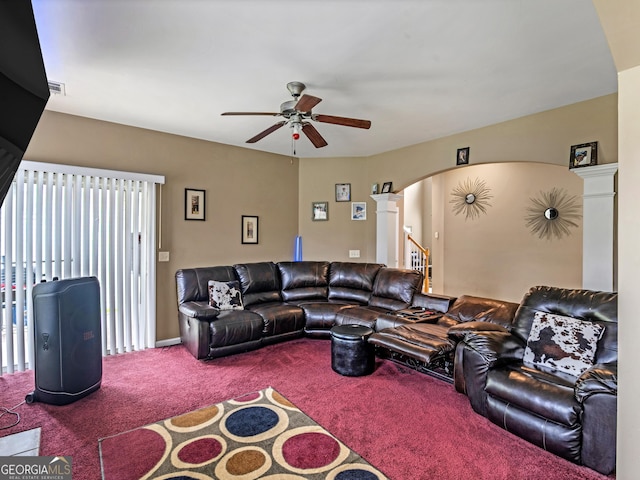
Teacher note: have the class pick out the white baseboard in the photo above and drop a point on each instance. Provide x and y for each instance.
(168, 342)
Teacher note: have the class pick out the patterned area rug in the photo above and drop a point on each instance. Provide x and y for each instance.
(259, 435)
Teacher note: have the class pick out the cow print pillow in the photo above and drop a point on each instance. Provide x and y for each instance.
(562, 343)
(225, 295)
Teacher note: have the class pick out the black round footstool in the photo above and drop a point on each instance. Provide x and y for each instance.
(351, 353)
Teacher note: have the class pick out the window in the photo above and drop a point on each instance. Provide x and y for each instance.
(60, 221)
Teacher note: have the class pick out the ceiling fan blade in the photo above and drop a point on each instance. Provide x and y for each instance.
(266, 132)
(348, 122)
(313, 135)
(307, 102)
(251, 113)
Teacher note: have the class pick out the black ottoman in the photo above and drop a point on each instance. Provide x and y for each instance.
(351, 353)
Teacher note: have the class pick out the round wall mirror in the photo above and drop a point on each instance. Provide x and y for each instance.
(470, 198)
(551, 213)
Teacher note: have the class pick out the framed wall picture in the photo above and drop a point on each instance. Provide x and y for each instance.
(358, 210)
(343, 192)
(462, 156)
(319, 211)
(583, 155)
(386, 187)
(249, 229)
(194, 204)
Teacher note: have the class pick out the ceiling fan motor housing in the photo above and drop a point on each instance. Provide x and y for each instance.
(296, 88)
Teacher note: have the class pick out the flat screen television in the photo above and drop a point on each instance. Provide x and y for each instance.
(24, 90)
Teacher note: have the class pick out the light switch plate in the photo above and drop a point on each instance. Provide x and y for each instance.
(163, 256)
(354, 253)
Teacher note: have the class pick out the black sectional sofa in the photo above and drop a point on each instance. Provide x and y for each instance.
(474, 342)
(287, 300)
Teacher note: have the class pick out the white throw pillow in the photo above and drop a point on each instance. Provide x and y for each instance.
(225, 295)
(562, 343)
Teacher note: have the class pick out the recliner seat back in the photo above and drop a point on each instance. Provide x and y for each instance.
(260, 282)
(588, 305)
(192, 283)
(304, 281)
(352, 282)
(394, 288)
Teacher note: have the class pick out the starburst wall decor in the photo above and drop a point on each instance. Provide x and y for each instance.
(553, 214)
(471, 197)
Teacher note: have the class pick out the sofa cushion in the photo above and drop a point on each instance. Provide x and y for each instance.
(352, 282)
(394, 288)
(562, 343)
(225, 295)
(304, 281)
(260, 282)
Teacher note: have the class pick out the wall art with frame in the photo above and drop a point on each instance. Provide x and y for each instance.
(358, 210)
(319, 211)
(249, 229)
(462, 156)
(583, 155)
(194, 204)
(343, 192)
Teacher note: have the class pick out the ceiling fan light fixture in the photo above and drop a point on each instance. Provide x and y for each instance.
(296, 131)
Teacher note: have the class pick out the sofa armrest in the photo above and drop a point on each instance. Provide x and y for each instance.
(601, 378)
(431, 301)
(494, 347)
(476, 354)
(458, 331)
(199, 310)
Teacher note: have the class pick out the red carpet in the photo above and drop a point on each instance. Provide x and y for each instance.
(407, 424)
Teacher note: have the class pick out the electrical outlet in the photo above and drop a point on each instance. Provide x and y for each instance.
(354, 253)
(163, 256)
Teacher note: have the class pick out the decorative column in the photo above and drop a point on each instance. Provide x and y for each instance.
(598, 226)
(387, 228)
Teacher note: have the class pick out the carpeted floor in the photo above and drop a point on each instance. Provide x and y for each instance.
(407, 424)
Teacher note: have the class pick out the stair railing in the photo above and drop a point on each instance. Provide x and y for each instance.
(418, 259)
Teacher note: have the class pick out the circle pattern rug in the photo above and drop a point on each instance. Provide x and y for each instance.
(259, 435)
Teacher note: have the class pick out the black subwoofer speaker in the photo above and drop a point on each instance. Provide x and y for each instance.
(68, 352)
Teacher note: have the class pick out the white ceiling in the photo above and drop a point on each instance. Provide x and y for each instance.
(418, 69)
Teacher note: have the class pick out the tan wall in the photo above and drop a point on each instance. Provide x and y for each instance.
(544, 137)
(496, 254)
(237, 181)
(332, 239)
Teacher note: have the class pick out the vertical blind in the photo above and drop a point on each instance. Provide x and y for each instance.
(60, 221)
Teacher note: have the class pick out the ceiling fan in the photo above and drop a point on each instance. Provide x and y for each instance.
(297, 113)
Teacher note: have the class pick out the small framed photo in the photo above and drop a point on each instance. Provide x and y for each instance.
(386, 187)
(319, 211)
(462, 157)
(374, 189)
(358, 210)
(343, 192)
(249, 229)
(584, 155)
(194, 204)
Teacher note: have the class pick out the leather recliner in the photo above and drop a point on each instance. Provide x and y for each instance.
(573, 417)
